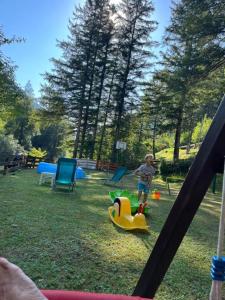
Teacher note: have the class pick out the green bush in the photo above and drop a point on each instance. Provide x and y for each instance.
(168, 168)
(9, 147)
(37, 152)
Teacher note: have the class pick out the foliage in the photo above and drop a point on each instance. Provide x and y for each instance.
(9, 90)
(51, 139)
(2, 125)
(37, 153)
(201, 129)
(192, 53)
(96, 92)
(95, 82)
(28, 89)
(9, 147)
(133, 157)
(75, 89)
(164, 141)
(179, 168)
(22, 125)
(6, 40)
(134, 25)
(167, 153)
(15, 105)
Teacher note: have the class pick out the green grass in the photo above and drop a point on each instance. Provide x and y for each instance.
(65, 240)
(167, 154)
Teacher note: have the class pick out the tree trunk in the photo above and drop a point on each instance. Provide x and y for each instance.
(21, 133)
(189, 141)
(201, 129)
(121, 96)
(106, 115)
(86, 115)
(90, 91)
(99, 102)
(76, 143)
(154, 137)
(77, 139)
(140, 134)
(177, 136)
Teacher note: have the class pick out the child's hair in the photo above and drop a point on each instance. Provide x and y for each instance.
(149, 155)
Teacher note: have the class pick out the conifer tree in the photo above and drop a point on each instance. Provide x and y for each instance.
(191, 54)
(134, 26)
(77, 75)
(152, 111)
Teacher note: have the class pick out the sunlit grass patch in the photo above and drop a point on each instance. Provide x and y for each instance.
(67, 241)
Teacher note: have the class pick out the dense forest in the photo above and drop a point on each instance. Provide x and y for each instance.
(108, 85)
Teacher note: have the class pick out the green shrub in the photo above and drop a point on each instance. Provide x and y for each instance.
(37, 152)
(9, 147)
(181, 167)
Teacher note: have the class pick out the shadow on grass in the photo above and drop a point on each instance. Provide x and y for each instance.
(66, 240)
(186, 279)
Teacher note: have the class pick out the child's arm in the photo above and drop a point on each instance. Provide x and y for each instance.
(139, 172)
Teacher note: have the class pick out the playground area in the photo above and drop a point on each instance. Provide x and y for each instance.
(65, 240)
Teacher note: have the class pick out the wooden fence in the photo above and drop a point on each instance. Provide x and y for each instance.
(97, 165)
(15, 163)
(11, 164)
(106, 166)
(87, 164)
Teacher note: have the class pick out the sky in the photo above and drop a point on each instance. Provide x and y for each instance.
(41, 23)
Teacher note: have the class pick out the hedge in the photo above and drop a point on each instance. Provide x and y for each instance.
(181, 167)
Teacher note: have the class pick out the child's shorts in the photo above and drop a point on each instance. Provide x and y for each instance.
(143, 188)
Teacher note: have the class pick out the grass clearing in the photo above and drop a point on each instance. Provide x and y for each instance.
(167, 153)
(65, 240)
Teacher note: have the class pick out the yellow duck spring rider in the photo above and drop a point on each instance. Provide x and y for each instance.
(120, 214)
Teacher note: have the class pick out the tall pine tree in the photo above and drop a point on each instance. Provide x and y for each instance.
(134, 28)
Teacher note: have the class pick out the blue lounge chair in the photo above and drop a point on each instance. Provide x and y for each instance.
(65, 173)
(117, 176)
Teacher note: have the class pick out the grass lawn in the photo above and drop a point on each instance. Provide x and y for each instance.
(167, 153)
(65, 240)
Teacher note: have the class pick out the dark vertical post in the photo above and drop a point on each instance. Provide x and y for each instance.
(207, 163)
(214, 185)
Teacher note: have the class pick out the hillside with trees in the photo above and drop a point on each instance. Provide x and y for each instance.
(107, 86)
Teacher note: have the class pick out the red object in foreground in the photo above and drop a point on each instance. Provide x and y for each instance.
(74, 295)
(156, 195)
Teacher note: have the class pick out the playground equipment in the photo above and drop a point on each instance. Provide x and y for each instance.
(132, 198)
(218, 261)
(120, 214)
(75, 295)
(117, 176)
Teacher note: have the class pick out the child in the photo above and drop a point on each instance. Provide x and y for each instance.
(146, 173)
